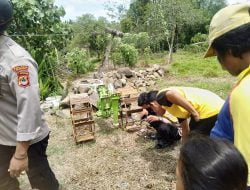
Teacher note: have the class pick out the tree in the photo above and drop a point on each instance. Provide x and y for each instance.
(37, 27)
(210, 7)
(135, 19)
(167, 18)
(89, 33)
(116, 9)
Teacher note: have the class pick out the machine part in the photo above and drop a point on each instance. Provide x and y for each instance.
(103, 104)
(108, 104)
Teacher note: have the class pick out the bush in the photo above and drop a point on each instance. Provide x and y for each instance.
(79, 62)
(199, 44)
(125, 54)
(129, 54)
(140, 41)
(117, 58)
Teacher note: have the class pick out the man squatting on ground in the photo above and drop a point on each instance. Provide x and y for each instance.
(200, 106)
(166, 128)
(229, 40)
(23, 132)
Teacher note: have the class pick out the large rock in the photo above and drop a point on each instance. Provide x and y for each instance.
(161, 72)
(117, 75)
(83, 89)
(150, 70)
(156, 67)
(139, 84)
(126, 72)
(156, 75)
(117, 84)
(124, 82)
(98, 75)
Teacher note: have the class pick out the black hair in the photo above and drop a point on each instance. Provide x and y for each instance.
(6, 14)
(147, 97)
(236, 41)
(210, 164)
(162, 99)
(142, 99)
(152, 96)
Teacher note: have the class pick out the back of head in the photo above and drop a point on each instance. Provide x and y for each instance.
(146, 97)
(6, 13)
(151, 96)
(209, 164)
(142, 99)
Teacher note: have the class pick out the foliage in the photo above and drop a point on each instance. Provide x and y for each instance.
(46, 73)
(125, 54)
(136, 17)
(140, 41)
(89, 32)
(199, 43)
(79, 61)
(37, 27)
(210, 7)
(165, 19)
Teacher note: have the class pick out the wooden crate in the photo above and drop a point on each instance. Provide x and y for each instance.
(81, 112)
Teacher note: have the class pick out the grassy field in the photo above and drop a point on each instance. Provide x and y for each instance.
(188, 69)
(118, 160)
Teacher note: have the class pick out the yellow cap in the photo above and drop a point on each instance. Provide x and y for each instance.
(226, 20)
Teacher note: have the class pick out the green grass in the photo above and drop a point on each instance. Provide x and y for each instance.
(190, 64)
(219, 86)
(190, 69)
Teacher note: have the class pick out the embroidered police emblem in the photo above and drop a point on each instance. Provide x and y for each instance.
(23, 78)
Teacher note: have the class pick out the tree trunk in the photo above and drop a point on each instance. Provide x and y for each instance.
(171, 46)
(105, 66)
(105, 63)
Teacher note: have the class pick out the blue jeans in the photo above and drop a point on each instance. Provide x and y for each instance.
(40, 174)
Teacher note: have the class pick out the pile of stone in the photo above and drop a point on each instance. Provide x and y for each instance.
(138, 78)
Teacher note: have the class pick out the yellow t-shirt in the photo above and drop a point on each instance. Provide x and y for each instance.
(240, 113)
(206, 103)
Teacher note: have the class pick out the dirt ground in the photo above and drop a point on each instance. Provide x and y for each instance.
(115, 160)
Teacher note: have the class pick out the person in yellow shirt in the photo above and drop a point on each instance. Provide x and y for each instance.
(200, 106)
(229, 40)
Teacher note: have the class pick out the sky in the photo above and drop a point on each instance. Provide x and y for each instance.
(75, 8)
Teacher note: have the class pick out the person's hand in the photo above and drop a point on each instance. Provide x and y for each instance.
(17, 166)
(196, 116)
(152, 118)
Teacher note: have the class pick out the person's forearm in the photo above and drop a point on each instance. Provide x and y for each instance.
(22, 149)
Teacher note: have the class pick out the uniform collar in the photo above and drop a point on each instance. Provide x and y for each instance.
(243, 73)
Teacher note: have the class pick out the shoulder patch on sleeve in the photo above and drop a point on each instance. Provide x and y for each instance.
(23, 78)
